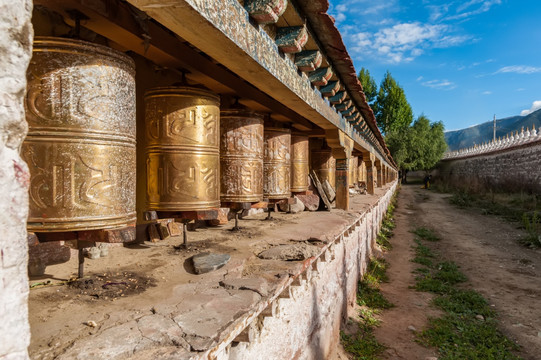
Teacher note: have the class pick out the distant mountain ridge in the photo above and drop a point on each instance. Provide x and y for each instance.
(478, 134)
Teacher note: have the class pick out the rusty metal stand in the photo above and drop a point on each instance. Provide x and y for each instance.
(237, 207)
(184, 217)
(88, 238)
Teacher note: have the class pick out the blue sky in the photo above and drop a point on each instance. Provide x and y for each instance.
(460, 62)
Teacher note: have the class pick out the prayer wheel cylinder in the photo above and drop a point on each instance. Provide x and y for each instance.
(80, 148)
(353, 164)
(277, 164)
(299, 163)
(361, 170)
(324, 164)
(241, 156)
(183, 155)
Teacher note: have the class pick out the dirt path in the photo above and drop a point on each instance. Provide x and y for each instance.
(485, 247)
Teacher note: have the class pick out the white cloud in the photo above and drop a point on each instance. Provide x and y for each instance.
(439, 84)
(473, 7)
(519, 69)
(340, 17)
(536, 105)
(405, 41)
(488, 92)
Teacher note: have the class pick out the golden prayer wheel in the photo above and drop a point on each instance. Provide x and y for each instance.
(241, 156)
(299, 163)
(277, 163)
(183, 156)
(324, 164)
(353, 164)
(80, 148)
(361, 171)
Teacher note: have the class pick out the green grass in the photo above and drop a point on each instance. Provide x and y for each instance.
(532, 225)
(468, 329)
(363, 344)
(426, 234)
(461, 199)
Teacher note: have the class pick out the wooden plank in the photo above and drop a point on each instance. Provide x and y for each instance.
(317, 183)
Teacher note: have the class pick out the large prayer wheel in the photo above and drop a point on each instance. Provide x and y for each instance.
(277, 164)
(241, 156)
(183, 155)
(299, 163)
(324, 164)
(361, 171)
(353, 171)
(80, 148)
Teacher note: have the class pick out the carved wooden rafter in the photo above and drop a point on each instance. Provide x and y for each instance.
(265, 11)
(308, 60)
(338, 97)
(330, 89)
(291, 39)
(321, 76)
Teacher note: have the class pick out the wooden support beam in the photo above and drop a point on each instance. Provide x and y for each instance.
(291, 39)
(116, 20)
(308, 60)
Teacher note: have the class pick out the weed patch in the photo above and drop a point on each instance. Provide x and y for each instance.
(532, 225)
(468, 329)
(363, 344)
(426, 234)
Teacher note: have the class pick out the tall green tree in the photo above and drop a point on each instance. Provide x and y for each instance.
(391, 107)
(369, 85)
(417, 147)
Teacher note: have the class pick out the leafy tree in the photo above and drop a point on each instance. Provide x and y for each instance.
(417, 147)
(369, 85)
(391, 107)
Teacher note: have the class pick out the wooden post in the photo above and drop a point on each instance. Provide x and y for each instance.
(368, 159)
(342, 147)
(342, 184)
(378, 173)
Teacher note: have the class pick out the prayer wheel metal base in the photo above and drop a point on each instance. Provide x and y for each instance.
(80, 148)
(183, 161)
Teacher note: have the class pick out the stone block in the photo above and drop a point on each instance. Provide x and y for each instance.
(207, 262)
(311, 202)
(153, 234)
(42, 255)
(295, 208)
(174, 229)
(223, 217)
